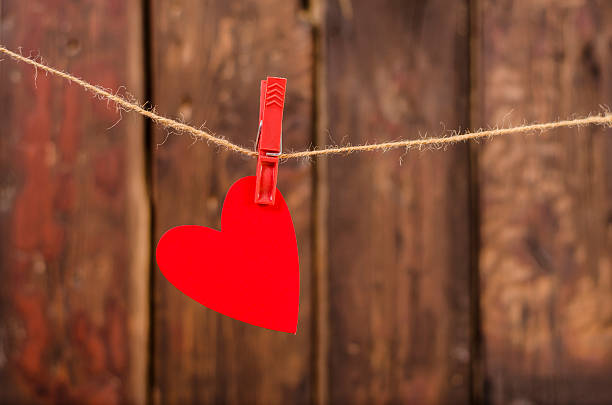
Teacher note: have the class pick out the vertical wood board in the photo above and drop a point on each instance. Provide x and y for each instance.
(398, 223)
(546, 272)
(73, 208)
(208, 60)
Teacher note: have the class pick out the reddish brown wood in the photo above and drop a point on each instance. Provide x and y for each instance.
(399, 251)
(73, 211)
(209, 58)
(546, 272)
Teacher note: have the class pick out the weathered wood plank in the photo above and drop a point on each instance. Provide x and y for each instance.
(546, 272)
(73, 209)
(399, 244)
(209, 58)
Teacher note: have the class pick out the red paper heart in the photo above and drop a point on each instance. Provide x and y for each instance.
(248, 271)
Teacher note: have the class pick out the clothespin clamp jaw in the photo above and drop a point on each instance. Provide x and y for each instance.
(269, 141)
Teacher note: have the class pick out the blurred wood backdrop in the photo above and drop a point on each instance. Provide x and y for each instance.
(476, 274)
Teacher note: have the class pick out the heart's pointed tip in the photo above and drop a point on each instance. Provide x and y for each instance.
(286, 327)
(291, 331)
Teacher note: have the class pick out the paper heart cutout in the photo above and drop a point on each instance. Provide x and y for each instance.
(249, 270)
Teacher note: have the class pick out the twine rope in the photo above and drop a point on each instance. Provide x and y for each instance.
(602, 119)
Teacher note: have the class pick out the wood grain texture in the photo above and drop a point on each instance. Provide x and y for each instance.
(546, 272)
(73, 209)
(399, 245)
(209, 58)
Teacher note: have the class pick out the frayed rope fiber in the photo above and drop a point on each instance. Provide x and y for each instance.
(604, 119)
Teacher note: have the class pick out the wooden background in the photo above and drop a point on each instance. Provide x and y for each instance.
(481, 273)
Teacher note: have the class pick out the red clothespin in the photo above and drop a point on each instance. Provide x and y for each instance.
(269, 138)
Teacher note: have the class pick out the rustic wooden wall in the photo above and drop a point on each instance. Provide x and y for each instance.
(545, 259)
(475, 274)
(73, 209)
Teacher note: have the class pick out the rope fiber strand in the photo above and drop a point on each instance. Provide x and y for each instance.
(604, 119)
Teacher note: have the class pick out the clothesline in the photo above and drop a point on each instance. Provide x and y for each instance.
(602, 119)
